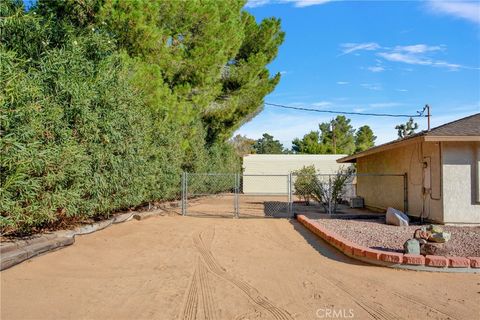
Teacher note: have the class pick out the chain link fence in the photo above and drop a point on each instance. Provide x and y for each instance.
(347, 193)
(267, 195)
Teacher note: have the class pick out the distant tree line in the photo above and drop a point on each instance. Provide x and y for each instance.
(334, 137)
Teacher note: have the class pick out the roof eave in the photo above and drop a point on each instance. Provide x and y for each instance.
(452, 138)
(353, 158)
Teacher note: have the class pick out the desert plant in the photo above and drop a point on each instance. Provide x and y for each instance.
(304, 182)
(329, 189)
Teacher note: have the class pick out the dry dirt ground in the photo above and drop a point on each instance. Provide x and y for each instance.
(220, 268)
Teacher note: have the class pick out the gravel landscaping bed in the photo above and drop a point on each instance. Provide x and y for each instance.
(465, 241)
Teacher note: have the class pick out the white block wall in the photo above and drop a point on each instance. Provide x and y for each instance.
(282, 164)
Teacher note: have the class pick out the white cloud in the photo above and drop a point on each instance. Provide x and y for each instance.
(416, 54)
(468, 10)
(352, 47)
(322, 104)
(416, 59)
(451, 66)
(404, 57)
(257, 3)
(307, 3)
(342, 82)
(418, 48)
(376, 69)
(402, 90)
(296, 3)
(372, 86)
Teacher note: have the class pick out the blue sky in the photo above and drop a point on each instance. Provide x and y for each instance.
(370, 56)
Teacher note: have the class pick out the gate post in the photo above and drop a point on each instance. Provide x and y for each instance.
(184, 193)
(289, 190)
(237, 191)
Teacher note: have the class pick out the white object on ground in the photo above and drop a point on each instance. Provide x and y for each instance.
(396, 217)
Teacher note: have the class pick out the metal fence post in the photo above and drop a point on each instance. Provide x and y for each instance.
(237, 191)
(182, 202)
(405, 193)
(289, 190)
(186, 194)
(330, 194)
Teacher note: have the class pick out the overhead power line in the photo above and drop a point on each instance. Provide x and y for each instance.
(418, 115)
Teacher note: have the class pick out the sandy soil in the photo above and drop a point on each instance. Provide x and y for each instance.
(465, 241)
(207, 268)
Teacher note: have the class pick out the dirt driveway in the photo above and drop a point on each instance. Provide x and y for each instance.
(218, 268)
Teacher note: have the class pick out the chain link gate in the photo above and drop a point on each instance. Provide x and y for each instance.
(265, 195)
(210, 194)
(283, 195)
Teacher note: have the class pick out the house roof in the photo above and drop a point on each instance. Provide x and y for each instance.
(464, 129)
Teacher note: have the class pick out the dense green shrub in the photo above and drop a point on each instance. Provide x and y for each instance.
(95, 118)
(73, 137)
(304, 182)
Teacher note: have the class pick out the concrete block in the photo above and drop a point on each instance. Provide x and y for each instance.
(474, 262)
(393, 257)
(458, 262)
(436, 261)
(413, 259)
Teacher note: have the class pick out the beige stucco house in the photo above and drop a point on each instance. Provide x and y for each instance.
(442, 169)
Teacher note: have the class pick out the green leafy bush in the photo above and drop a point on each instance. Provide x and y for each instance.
(304, 182)
(98, 117)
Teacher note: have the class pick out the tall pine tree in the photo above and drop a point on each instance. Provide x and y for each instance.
(364, 138)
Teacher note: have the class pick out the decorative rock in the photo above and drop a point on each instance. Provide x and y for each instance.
(412, 246)
(422, 234)
(434, 228)
(434, 249)
(396, 217)
(439, 237)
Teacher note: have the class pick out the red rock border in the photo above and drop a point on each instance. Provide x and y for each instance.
(391, 259)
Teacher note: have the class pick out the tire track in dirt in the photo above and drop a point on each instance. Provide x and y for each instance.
(416, 300)
(376, 311)
(250, 291)
(200, 286)
(252, 315)
(208, 303)
(191, 303)
(426, 306)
